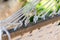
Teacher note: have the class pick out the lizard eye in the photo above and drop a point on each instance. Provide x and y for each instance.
(5, 0)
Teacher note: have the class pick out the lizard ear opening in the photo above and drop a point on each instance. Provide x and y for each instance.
(5, 0)
(58, 23)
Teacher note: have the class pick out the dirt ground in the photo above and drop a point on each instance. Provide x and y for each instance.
(8, 8)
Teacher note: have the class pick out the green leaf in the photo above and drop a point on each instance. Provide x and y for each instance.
(31, 19)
